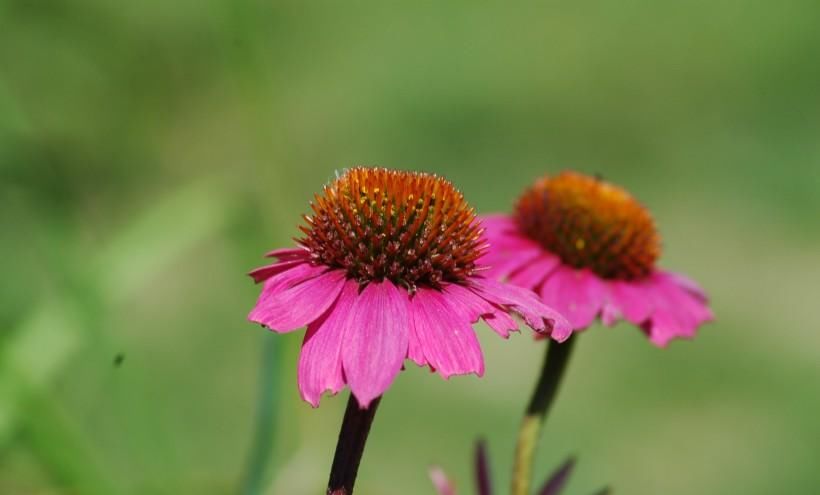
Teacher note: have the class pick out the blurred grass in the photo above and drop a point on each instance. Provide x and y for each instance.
(151, 152)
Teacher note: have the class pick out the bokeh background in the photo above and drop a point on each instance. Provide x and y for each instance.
(151, 152)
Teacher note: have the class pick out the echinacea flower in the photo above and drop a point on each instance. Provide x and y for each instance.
(387, 271)
(590, 250)
(554, 485)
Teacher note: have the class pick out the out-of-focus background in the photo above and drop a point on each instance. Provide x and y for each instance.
(151, 152)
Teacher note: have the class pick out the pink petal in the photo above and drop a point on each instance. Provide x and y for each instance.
(610, 314)
(632, 300)
(292, 276)
(320, 362)
(265, 272)
(296, 306)
(470, 305)
(501, 262)
(687, 283)
(475, 306)
(288, 253)
(578, 294)
(533, 273)
(377, 338)
(501, 323)
(677, 312)
(497, 221)
(448, 340)
(524, 302)
(509, 250)
(415, 349)
(441, 482)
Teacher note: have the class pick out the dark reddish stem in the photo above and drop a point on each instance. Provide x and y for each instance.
(350, 447)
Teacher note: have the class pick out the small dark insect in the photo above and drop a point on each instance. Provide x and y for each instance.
(118, 359)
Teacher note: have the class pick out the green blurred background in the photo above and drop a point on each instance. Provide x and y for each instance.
(151, 152)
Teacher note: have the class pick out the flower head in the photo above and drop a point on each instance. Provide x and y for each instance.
(554, 485)
(386, 271)
(590, 249)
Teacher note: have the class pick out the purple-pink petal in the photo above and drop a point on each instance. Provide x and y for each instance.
(265, 272)
(677, 312)
(524, 302)
(284, 309)
(472, 307)
(533, 273)
(686, 283)
(469, 305)
(501, 322)
(449, 342)
(632, 300)
(297, 274)
(577, 294)
(377, 337)
(288, 253)
(320, 361)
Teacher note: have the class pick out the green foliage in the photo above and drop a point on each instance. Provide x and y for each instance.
(150, 152)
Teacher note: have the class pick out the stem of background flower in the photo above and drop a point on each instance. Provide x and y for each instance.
(350, 447)
(555, 362)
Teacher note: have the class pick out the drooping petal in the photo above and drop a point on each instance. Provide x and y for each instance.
(533, 273)
(265, 272)
(524, 302)
(497, 221)
(449, 342)
(320, 362)
(415, 347)
(474, 307)
(578, 294)
(509, 250)
(686, 283)
(631, 299)
(501, 323)
(469, 305)
(376, 340)
(610, 313)
(285, 254)
(300, 304)
(441, 482)
(295, 275)
(677, 312)
(501, 263)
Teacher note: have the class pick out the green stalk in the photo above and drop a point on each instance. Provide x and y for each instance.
(555, 363)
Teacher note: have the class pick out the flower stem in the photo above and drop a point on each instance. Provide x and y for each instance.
(350, 447)
(555, 362)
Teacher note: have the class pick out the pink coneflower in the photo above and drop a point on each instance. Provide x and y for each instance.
(386, 271)
(590, 249)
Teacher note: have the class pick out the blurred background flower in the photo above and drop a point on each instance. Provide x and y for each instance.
(149, 151)
(588, 248)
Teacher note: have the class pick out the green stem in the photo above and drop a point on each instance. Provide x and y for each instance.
(262, 447)
(350, 447)
(555, 362)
